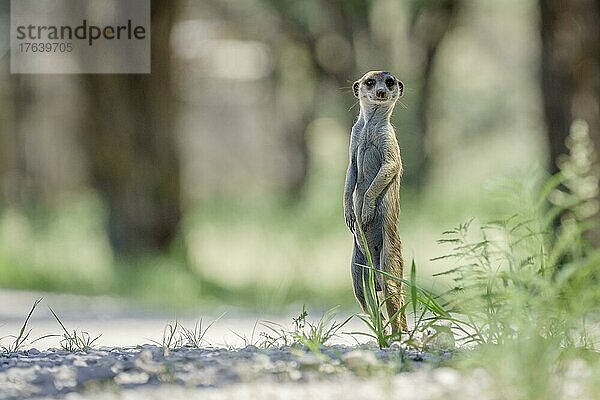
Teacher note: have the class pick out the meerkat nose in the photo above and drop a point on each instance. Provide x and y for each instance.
(380, 93)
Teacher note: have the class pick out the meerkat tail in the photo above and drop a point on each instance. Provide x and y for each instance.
(393, 264)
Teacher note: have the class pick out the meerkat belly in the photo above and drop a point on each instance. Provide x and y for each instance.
(368, 165)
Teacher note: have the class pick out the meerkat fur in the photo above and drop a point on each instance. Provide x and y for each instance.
(372, 192)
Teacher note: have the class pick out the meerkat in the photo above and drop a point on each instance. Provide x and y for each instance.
(372, 192)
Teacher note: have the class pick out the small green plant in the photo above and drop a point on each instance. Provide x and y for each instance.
(275, 335)
(170, 338)
(249, 341)
(312, 335)
(535, 260)
(74, 341)
(194, 337)
(527, 283)
(21, 337)
(175, 335)
(315, 335)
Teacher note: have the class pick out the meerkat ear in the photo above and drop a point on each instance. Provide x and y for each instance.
(400, 88)
(355, 88)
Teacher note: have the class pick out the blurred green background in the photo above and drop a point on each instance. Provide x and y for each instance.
(218, 178)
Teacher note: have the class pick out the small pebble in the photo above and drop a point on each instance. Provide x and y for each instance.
(447, 377)
(144, 361)
(96, 373)
(262, 361)
(33, 352)
(360, 361)
(132, 378)
(309, 361)
(79, 363)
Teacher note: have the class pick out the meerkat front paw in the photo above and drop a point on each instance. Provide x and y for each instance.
(349, 216)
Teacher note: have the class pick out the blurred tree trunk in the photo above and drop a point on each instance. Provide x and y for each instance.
(21, 186)
(132, 150)
(18, 188)
(7, 119)
(570, 72)
(431, 23)
(570, 68)
(9, 155)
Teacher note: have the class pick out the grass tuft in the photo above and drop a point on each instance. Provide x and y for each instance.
(194, 337)
(170, 338)
(311, 335)
(253, 340)
(21, 337)
(176, 336)
(75, 340)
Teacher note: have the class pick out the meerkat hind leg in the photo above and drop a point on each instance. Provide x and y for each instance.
(360, 278)
(358, 259)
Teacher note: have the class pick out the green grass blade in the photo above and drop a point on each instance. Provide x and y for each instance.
(413, 286)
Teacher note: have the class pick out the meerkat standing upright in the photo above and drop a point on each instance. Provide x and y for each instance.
(372, 191)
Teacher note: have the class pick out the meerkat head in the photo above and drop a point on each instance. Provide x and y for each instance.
(378, 87)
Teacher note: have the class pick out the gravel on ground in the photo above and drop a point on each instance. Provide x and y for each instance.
(151, 372)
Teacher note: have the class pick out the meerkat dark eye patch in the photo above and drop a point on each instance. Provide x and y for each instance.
(370, 82)
(390, 82)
